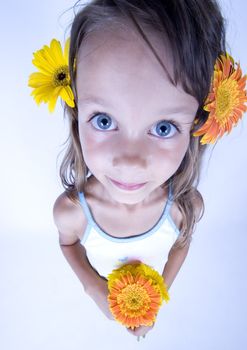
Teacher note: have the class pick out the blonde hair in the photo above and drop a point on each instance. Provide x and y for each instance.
(194, 74)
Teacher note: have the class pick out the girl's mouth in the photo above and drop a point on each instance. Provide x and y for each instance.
(127, 186)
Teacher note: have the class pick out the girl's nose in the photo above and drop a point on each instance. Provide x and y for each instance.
(132, 160)
(131, 153)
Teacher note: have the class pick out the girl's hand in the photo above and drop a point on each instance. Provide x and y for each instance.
(141, 330)
(99, 293)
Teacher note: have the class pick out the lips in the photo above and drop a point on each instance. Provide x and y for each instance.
(127, 186)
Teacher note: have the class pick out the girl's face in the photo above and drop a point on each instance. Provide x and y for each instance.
(134, 125)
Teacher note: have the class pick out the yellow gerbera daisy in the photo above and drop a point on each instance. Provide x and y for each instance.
(53, 78)
(225, 101)
(136, 292)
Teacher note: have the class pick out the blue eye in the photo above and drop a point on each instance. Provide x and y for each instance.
(101, 121)
(165, 128)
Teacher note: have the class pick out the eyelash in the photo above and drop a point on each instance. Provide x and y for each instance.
(172, 122)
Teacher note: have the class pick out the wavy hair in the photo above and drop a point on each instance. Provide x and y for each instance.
(195, 30)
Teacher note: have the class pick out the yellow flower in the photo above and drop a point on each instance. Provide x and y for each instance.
(53, 78)
(136, 292)
(225, 101)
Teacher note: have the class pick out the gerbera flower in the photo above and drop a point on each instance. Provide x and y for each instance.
(136, 293)
(225, 101)
(53, 78)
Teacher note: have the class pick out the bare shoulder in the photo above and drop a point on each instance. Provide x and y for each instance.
(177, 215)
(69, 219)
(198, 204)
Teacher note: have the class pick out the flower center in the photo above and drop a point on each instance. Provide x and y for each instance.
(61, 76)
(226, 100)
(134, 298)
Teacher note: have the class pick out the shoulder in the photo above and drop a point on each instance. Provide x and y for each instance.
(69, 219)
(177, 215)
(198, 205)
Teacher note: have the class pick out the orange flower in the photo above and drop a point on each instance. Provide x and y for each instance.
(136, 294)
(225, 101)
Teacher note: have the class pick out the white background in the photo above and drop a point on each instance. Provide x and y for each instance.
(42, 303)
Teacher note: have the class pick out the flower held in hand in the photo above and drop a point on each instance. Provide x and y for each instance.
(136, 292)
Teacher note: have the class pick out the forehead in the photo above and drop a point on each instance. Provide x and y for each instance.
(120, 64)
(119, 39)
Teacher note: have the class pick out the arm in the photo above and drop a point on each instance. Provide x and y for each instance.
(71, 222)
(175, 261)
(177, 256)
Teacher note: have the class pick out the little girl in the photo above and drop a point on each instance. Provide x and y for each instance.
(140, 74)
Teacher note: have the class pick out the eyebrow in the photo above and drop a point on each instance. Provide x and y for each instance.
(100, 101)
(93, 99)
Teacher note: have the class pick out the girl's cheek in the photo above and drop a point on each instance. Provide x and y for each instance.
(97, 149)
(169, 156)
(173, 149)
(90, 135)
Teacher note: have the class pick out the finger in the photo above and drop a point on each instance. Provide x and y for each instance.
(132, 329)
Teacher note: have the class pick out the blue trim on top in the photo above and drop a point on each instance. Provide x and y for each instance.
(92, 222)
(174, 226)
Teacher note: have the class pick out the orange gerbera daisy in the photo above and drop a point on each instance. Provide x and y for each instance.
(225, 101)
(136, 294)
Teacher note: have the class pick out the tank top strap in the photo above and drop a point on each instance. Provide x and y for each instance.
(87, 211)
(170, 199)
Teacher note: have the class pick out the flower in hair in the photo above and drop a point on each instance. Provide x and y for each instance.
(136, 292)
(53, 78)
(225, 101)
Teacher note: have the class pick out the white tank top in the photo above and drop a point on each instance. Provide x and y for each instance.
(152, 247)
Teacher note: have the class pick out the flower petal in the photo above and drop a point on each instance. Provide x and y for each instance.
(38, 79)
(67, 95)
(66, 51)
(56, 52)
